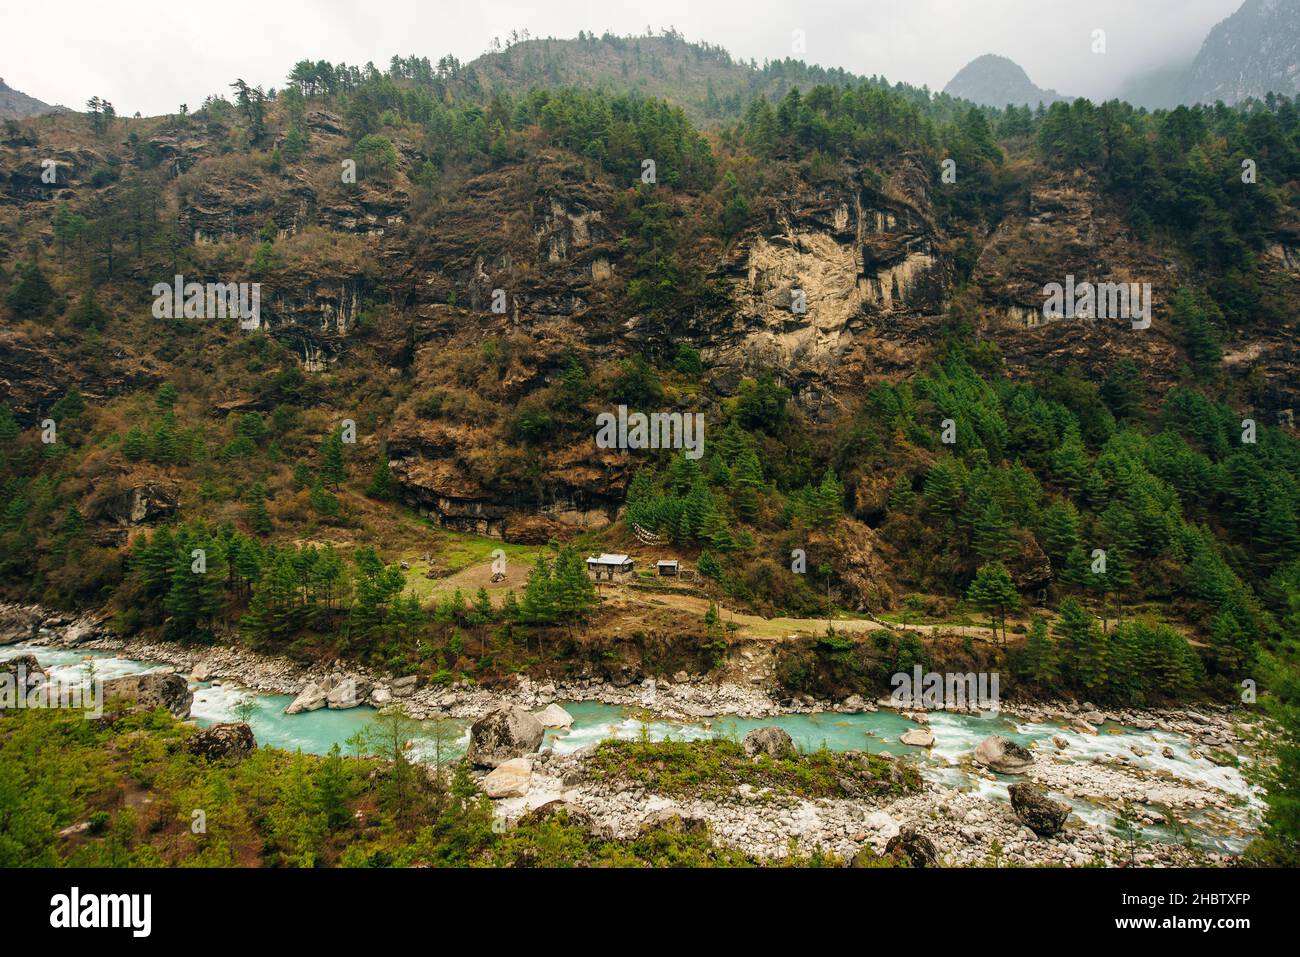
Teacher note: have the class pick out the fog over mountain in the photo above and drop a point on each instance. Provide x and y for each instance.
(918, 41)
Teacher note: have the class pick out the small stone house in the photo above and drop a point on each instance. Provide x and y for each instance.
(610, 568)
(667, 568)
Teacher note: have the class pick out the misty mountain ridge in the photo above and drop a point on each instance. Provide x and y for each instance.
(16, 105)
(1252, 53)
(992, 80)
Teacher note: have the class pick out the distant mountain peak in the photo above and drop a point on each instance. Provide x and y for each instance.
(993, 80)
(1254, 52)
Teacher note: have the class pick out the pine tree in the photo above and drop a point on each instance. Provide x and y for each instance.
(748, 479)
(1060, 531)
(8, 425)
(1123, 390)
(828, 502)
(332, 468)
(994, 591)
(1070, 464)
(510, 610)
(134, 444)
(943, 487)
(1040, 664)
(991, 536)
(573, 590)
(381, 479)
(708, 566)
(87, 313)
(539, 606)
(162, 449)
(1084, 647)
(259, 519)
(32, 294)
(165, 398)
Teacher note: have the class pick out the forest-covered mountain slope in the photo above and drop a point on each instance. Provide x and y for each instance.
(848, 280)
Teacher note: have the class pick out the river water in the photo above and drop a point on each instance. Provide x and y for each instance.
(955, 735)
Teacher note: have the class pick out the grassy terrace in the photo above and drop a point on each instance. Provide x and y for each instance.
(716, 768)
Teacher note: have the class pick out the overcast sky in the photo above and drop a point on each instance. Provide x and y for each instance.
(151, 55)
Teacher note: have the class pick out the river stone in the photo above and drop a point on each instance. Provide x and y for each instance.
(310, 698)
(1079, 724)
(502, 735)
(918, 738)
(403, 687)
(913, 846)
(348, 693)
(668, 819)
(155, 689)
(553, 716)
(380, 697)
(233, 741)
(557, 809)
(882, 823)
(1060, 741)
(1003, 755)
(202, 671)
(509, 779)
(1036, 810)
(774, 742)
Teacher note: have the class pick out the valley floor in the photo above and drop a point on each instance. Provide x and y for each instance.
(1170, 776)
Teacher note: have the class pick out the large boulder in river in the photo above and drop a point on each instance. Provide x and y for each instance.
(502, 735)
(348, 693)
(1036, 810)
(310, 698)
(553, 716)
(155, 689)
(508, 779)
(1003, 755)
(774, 742)
(918, 738)
(223, 741)
(915, 848)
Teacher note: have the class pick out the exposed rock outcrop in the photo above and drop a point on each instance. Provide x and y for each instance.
(232, 742)
(154, 689)
(504, 734)
(915, 848)
(1003, 755)
(1036, 810)
(774, 742)
(508, 779)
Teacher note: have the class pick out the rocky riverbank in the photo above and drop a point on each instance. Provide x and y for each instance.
(966, 827)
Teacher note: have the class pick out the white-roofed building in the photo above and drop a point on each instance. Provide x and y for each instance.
(606, 567)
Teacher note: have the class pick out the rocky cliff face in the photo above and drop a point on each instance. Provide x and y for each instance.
(840, 283)
(1254, 52)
